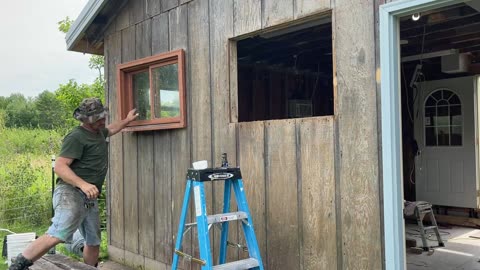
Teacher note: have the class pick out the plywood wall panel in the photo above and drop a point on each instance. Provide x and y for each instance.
(137, 11)
(308, 7)
(317, 197)
(251, 155)
(357, 134)
(146, 195)
(247, 16)
(276, 11)
(281, 195)
(115, 183)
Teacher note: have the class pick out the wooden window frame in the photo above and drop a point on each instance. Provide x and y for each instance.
(125, 73)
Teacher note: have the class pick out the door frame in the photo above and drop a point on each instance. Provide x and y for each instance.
(393, 222)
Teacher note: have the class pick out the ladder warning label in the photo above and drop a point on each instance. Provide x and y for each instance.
(198, 206)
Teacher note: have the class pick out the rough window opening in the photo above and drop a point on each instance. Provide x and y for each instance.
(287, 73)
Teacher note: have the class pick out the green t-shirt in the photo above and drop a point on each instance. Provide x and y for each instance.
(89, 152)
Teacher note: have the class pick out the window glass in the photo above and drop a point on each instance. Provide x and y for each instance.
(443, 119)
(141, 95)
(165, 86)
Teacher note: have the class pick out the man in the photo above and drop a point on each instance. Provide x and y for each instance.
(81, 168)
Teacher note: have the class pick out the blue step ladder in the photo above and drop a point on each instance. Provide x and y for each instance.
(232, 178)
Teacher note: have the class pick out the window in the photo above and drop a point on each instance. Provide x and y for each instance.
(155, 86)
(286, 73)
(443, 119)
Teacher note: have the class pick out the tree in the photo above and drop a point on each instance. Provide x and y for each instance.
(20, 112)
(50, 110)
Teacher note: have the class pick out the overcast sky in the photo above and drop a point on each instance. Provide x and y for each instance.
(33, 51)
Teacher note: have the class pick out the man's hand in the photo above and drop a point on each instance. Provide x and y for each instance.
(90, 190)
(132, 115)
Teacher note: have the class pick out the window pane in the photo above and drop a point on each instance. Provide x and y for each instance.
(443, 136)
(141, 95)
(456, 115)
(456, 132)
(430, 113)
(431, 102)
(442, 116)
(165, 85)
(454, 100)
(430, 136)
(437, 95)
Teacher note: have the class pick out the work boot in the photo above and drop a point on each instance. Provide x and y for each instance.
(20, 263)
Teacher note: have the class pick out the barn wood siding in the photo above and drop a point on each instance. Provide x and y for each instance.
(312, 184)
(357, 149)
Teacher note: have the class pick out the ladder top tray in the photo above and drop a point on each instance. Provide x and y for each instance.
(214, 174)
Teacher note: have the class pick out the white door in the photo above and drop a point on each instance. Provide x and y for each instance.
(445, 168)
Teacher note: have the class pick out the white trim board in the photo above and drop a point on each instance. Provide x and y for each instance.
(394, 230)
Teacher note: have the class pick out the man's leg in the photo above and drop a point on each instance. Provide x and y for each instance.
(34, 252)
(90, 254)
(40, 246)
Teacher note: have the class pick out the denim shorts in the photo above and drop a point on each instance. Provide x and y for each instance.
(74, 211)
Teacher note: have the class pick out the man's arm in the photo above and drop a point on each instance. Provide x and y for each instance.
(116, 126)
(63, 170)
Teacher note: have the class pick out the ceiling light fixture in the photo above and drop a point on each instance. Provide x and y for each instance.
(416, 16)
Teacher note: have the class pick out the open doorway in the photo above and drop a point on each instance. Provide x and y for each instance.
(438, 67)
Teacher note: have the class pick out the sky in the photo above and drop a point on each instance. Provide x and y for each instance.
(33, 52)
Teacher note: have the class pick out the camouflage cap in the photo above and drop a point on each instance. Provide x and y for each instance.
(90, 111)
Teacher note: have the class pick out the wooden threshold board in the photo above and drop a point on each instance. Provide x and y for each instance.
(59, 262)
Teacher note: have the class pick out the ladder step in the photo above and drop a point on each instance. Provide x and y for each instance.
(238, 265)
(429, 227)
(218, 218)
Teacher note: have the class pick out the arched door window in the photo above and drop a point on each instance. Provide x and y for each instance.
(443, 119)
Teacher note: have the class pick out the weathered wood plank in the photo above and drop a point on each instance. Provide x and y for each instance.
(146, 189)
(130, 159)
(247, 16)
(180, 140)
(59, 262)
(178, 29)
(137, 11)
(128, 44)
(201, 124)
(116, 222)
(160, 37)
(168, 4)
(221, 28)
(143, 39)
(317, 196)
(131, 197)
(233, 82)
(123, 19)
(251, 154)
(358, 175)
(163, 197)
(308, 7)
(281, 192)
(276, 11)
(152, 7)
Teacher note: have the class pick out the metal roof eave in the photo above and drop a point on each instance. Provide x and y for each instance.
(81, 24)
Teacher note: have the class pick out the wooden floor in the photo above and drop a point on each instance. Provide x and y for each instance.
(61, 262)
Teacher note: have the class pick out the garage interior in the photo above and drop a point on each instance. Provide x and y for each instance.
(438, 46)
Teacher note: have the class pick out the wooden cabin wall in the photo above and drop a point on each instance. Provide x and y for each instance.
(312, 183)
